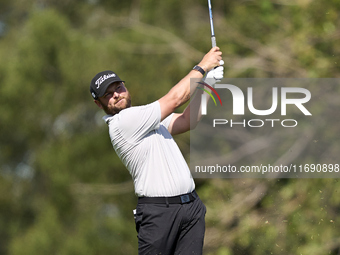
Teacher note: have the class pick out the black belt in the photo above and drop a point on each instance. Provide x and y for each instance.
(181, 199)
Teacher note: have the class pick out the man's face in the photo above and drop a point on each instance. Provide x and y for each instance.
(115, 99)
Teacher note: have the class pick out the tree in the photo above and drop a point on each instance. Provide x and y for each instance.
(63, 190)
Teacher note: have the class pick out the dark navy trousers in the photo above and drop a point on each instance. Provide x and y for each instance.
(170, 229)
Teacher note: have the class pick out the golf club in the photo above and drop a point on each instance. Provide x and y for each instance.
(213, 38)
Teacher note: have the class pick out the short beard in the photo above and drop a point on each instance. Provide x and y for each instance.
(114, 110)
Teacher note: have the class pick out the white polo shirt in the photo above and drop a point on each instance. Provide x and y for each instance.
(149, 152)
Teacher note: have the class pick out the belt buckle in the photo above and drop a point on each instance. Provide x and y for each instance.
(185, 199)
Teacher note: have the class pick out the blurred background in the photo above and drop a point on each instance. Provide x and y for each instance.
(62, 188)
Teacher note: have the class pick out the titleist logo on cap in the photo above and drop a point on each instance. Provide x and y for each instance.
(103, 78)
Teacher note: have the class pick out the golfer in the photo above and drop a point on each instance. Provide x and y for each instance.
(169, 216)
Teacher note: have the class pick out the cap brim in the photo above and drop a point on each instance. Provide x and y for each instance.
(106, 85)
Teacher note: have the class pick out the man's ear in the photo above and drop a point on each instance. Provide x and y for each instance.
(98, 104)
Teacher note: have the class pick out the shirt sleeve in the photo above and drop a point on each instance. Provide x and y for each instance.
(135, 122)
(167, 120)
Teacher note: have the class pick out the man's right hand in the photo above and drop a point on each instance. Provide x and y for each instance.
(211, 59)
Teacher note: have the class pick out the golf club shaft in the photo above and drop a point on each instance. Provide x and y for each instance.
(213, 38)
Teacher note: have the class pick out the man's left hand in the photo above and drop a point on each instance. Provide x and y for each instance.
(214, 75)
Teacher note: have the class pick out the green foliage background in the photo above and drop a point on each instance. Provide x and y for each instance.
(62, 188)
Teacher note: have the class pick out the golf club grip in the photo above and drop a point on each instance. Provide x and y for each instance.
(213, 41)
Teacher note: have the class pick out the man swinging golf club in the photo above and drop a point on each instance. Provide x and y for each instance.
(170, 217)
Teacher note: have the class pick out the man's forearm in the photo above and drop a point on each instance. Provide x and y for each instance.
(183, 90)
(194, 109)
(193, 113)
